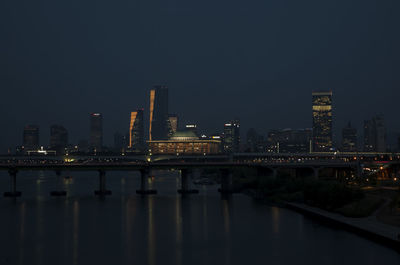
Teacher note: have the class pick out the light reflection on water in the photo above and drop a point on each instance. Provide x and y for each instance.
(164, 229)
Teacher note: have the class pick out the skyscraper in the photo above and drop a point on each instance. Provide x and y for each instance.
(58, 138)
(159, 122)
(349, 139)
(322, 121)
(136, 131)
(96, 132)
(31, 137)
(173, 123)
(231, 139)
(289, 141)
(375, 135)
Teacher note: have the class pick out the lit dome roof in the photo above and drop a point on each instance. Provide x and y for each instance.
(184, 136)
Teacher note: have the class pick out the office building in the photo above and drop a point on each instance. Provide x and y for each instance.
(31, 138)
(322, 121)
(58, 139)
(254, 142)
(136, 131)
(173, 123)
(120, 142)
(159, 127)
(289, 141)
(349, 139)
(375, 135)
(96, 132)
(231, 137)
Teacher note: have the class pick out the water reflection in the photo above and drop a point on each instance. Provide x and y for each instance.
(22, 213)
(75, 231)
(168, 229)
(151, 248)
(227, 217)
(275, 219)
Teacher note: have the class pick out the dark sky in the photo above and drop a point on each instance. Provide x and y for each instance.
(258, 60)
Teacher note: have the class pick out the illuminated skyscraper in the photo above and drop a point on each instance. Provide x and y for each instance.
(58, 138)
(136, 131)
(231, 138)
(173, 123)
(31, 137)
(96, 132)
(322, 121)
(159, 122)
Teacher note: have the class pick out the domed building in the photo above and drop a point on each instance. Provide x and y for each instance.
(184, 142)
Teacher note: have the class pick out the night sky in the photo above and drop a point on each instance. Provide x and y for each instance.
(257, 60)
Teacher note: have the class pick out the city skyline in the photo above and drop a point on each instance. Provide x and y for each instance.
(322, 131)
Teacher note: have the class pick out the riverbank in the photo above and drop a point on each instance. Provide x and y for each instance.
(370, 212)
(369, 226)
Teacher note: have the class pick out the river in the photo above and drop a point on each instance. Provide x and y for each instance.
(163, 229)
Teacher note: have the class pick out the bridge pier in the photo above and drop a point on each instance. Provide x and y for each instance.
(58, 192)
(144, 175)
(274, 172)
(13, 184)
(226, 181)
(102, 184)
(316, 172)
(185, 182)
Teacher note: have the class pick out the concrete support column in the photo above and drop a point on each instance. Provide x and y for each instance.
(59, 181)
(185, 182)
(144, 177)
(360, 170)
(316, 172)
(226, 181)
(13, 184)
(274, 172)
(102, 184)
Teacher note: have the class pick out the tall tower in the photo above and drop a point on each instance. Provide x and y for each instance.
(173, 123)
(136, 131)
(159, 121)
(349, 139)
(322, 121)
(31, 137)
(96, 132)
(231, 139)
(58, 138)
(375, 135)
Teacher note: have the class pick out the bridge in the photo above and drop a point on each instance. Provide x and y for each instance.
(265, 164)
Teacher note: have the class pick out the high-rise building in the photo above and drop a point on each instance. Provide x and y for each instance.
(136, 131)
(289, 141)
(375, 135)
(58, 138)
(349, 139)
(159, 122)
(322, 121)
(119, 142)
(254, 142)
(31, 137)
(173, 123)
(231, 137)
(96, 132)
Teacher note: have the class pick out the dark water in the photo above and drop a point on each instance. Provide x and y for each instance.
(163, 229)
